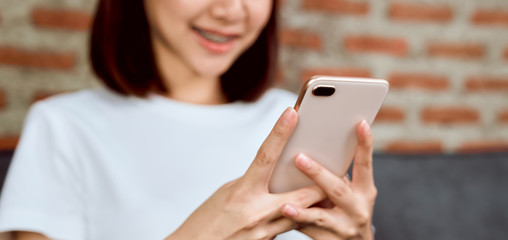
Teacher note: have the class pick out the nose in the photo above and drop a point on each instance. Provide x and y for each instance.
(229, 10)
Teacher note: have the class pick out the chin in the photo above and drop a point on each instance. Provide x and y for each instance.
(213, 68)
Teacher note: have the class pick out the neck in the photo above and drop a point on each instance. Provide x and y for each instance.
(184, 84)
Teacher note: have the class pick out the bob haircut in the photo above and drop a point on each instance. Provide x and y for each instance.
(122, 55)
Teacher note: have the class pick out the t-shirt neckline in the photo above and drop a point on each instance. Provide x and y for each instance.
(229, 114)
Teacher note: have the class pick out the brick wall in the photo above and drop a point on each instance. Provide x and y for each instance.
(43, 51)
(446, 61)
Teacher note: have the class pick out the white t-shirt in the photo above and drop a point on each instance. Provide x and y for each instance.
(97, 165)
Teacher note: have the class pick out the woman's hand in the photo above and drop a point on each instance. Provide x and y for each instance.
(243, 208)
(349, 214)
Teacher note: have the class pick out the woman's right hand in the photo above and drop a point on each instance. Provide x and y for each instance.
(243, 208)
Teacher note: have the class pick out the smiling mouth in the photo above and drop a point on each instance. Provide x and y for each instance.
(213, 37)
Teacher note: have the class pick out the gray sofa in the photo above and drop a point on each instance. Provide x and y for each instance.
(432, 196)
(441, 196)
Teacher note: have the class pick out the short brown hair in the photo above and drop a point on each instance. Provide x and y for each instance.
(122, 55)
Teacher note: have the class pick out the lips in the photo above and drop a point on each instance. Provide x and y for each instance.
(214, 36)
(216, 42)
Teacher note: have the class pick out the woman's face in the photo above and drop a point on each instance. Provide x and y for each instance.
(206, 35)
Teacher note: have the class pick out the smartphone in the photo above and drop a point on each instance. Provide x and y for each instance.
(329, 110)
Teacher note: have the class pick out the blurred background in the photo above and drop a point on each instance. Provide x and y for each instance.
(446, 61)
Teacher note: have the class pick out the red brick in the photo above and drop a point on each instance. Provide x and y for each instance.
(375, 44)
(483, 146)
(61, 19)
(344, 72)
(402, 11)
(338, 6)
(300, 39)
(40, 59)
(2, 99)
(449, 114)
(390, 115)
(418, 81)
(8, 142)
(414, 147)
(503, 116)
(487, 84)
(490, 17)
(456, 50)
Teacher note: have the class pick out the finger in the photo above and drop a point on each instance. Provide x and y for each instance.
(345, 178)
(317, 233)
(303, 197)
(336, 224)
(363, 178)
(278, 226)
(261, 168)
(267, 230)
(335, 188)
(315, 216)
(325, 204)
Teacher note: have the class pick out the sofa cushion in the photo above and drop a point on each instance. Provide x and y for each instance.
(431, 196)
(461, 196)
(5, 158)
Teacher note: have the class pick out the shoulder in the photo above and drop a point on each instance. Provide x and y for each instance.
(83, 98)
(268, 108)
(279, 96)
(80, 103)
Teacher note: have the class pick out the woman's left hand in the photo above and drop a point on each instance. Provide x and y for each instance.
(350, 214)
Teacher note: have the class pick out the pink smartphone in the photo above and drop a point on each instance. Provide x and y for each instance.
(329, 109)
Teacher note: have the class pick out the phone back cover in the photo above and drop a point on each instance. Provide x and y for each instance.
(326, 128)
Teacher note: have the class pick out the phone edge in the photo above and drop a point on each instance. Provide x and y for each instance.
(315, 78)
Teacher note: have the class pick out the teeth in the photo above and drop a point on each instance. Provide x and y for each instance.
(212, 37)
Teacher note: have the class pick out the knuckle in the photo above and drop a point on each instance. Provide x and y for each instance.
(321, 220)
(263, 158)
(370, 194)
(362, 219)
(351, 233)
(370, 140)
(279, 132)
(367, 146)
(373, 193)
(339, 189)
(366, 163)
(260, 234)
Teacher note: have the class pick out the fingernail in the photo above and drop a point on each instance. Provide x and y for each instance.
(366, 128)
(287, 116)
(303, 161)
(289, 211)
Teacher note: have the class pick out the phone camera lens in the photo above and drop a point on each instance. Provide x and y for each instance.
(323, 91)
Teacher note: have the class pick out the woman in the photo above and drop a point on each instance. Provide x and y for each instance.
(185, 111)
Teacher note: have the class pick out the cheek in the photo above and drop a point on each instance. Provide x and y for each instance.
(168, 16)
(159, 15)
(259, 13)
